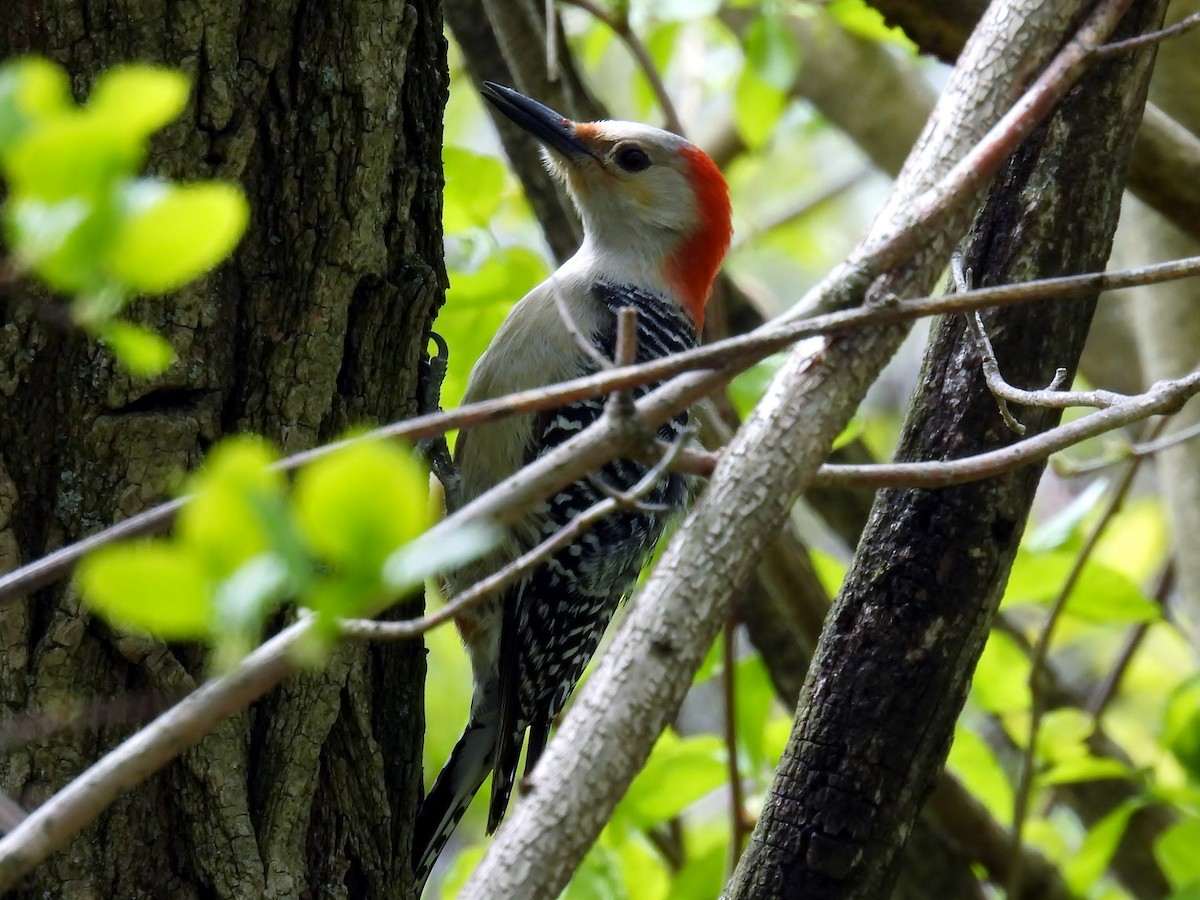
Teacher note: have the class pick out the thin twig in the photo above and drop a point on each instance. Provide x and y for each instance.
(618, 23)
(1052, 396)
(1116, 48)
(1038, 659)
(1069, 469)
(551, 12)
(740, 824)
(582, 341)
(380, 630)
(736, 353)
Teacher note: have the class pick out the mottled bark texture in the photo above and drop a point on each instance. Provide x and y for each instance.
(895, 659)
(329, 115)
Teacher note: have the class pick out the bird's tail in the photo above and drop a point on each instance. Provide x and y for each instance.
(451, 794)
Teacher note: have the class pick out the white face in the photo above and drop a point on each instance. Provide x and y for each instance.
(634, 186)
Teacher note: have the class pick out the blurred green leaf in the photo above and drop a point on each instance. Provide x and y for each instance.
(755, 695)
(1187, 892)
(138, 100)
(643, 872)
(679, 772)
(830, 570)
(474, 186)
(1181, 725)
(1059, 529)
(771, 51)
(757, 108)
(1084, 768)
(748, 387)
(597, 878)
(31, 89)
(1062, 734)
(1100, 595)
(859, 18)
(424, 558)
(477, 303)
(1001, 681)
(973, 761)
(175, 233)
(222, 524)
(1176, 853)
(75, 155)
(702, 875)
(460, 870)
(151, 586)
(142, 351)
(357, 505)
(1085, 867)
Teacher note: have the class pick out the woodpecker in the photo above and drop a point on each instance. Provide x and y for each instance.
(656, 221)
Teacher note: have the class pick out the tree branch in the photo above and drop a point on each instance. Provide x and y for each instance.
(640, 682)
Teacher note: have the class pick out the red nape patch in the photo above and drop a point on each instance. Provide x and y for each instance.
(693, 266)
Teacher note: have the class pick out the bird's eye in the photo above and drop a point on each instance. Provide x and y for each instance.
(632, 158)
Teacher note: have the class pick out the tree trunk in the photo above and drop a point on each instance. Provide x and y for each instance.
(894, 662)
(329, 115)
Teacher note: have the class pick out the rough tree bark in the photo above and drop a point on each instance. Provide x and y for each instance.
(329, 115)
(894, 662)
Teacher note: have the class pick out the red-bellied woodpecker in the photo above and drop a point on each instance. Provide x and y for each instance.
(656, 223)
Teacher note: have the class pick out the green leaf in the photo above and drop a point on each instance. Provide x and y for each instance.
(460, 870)
(223, 525)
(757, 108)
(477, 303)
(1181, 725)
(1062, 734)
(771, 52)
(150, 586)
(139, 100)
(1176, 853)
(1085, 867)
(359, 504)
(830, 570)
(174, 234)
(31, 89)
(1085, 768)
(140, 350)
(754, 697)
(1001, 681)
(702, 875)
(598, 877)
(1101, 594)
(973, 761)
(1187, 892)
(747, 388)
(425, 557)
(1059, 529)
(679, 772)
(474, 187)
(863, 20)
(644, 875)
(73, 155)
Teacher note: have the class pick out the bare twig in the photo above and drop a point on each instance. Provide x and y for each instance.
(736, 353)
(374, 629)
(582, 341)
(777, 450)
(618, 23)
(740, 823)
(1037, 661)
(1150, 38)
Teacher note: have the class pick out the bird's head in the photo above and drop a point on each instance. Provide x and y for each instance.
(655, 208)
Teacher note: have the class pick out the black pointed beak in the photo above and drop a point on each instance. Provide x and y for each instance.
(553, 129)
